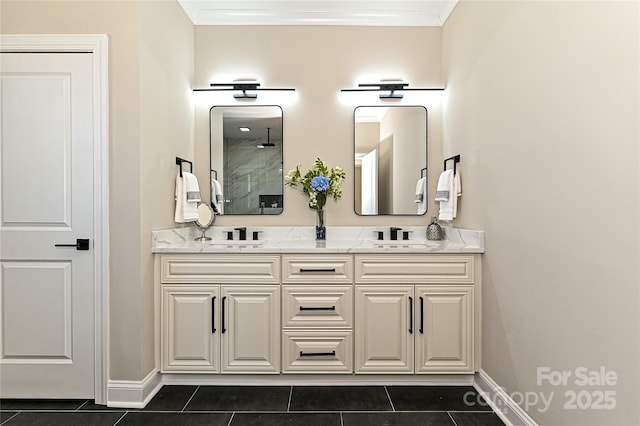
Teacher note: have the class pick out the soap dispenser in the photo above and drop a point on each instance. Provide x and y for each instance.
(434, 231)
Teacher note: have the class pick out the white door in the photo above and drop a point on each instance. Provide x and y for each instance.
(369, 183)
(384, 329)
(444, 342)
(190, 328)
(250, 329)
(46, 198)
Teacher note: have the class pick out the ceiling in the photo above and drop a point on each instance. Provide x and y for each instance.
(416, 13)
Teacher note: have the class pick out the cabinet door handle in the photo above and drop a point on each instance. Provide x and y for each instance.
(332, 353)
(312, 270)
(213, 314)
(317, 308)
(410, 315)
(421, 315)
(224, 299)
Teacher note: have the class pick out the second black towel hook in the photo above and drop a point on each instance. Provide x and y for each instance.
(455, 159)
(179, 162)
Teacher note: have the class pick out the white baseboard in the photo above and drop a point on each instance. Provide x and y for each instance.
(501, 402)
(317, 380)
(131, 393)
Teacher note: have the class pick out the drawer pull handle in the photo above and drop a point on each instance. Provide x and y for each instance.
(332, 353)
(421, 315)
(317, 308)
(410, 315)
(213, 314)
(224, 299)
(313, 270)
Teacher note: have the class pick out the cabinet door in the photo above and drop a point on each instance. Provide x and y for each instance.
(190, 329)
(250, 329)
(444, 341)
(384, 329)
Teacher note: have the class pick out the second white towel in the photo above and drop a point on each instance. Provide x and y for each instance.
(421, 199)
(187, 198)
(447, 193)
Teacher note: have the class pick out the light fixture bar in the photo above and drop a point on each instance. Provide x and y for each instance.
(390, 87)
(243, 87)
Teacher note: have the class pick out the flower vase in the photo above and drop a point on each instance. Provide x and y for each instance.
(321, 230)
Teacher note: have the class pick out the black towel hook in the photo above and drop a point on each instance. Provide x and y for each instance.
(179, 162)
(456, 160)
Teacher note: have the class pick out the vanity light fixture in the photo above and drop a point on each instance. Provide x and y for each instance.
(242, 86)
(387, 86)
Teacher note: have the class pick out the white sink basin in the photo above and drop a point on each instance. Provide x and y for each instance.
(237, 243)
(404, 244)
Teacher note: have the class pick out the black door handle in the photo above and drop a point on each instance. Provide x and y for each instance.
(224, 299)
(81, 244)
(421, 315)
(410, 315)
(317, 308)
(213, 314)
(332, 353)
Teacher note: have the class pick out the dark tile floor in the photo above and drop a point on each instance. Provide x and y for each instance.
(268, 405)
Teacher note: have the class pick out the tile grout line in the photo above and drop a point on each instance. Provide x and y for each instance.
(452, 419)
(121, 417)
(389, 397)
(231, 418)
(289, 402)
(192, 395)
(82, 405)
(17, 412)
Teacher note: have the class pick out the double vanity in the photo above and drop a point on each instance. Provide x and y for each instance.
(288, 305)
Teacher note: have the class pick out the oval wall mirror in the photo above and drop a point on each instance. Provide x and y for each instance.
(390, 162)
(246, 160)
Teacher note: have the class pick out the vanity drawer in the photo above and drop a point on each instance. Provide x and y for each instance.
(317, 306)
(319, 269)
(239, 269)
(415, 269)
(321, 352)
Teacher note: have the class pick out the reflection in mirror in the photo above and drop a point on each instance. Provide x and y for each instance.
(246, 159)
(390, 160)
(205, 219)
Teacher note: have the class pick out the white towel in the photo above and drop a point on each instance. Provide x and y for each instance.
(186, 210)
(216, 195)
(457, 190)
(421, 190)
(444, 185)
(446, 195)
(449, 207)
(192, 188)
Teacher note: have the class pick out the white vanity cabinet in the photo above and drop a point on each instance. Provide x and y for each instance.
(317, 314)
(220, 314)
(415, 314)
(302, 313)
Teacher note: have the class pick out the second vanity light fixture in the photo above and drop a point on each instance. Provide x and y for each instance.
(242, 86)
(391, 86)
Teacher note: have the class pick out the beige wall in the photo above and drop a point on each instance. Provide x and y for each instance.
(166, 131)
(150, 121)
(318, 61)
(543, 106)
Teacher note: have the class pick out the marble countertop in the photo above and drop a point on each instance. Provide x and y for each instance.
(340, 239)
